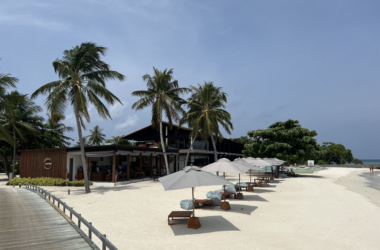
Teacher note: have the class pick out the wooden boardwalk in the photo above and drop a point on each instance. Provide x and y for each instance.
(27, 221)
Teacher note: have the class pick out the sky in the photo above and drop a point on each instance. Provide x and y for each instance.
(312, 61)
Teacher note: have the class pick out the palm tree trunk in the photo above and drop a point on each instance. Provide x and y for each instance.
(163, 145)
(188, 152)
(14, 154)
(86, 183)
(215, 153)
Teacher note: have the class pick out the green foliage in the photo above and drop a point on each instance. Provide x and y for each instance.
(124, 142)
(243, 140)
(357, 161)
(206, 112)
(96, 137)
(321, 162)
(17, 168)
(162, 95)
(46, 181)
(335, 153)
(6, 81)
(287, 141)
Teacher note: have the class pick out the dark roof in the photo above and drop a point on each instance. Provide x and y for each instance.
(141, 133)
(108, 148)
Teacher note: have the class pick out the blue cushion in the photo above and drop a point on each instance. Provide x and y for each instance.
(187, 204)
(230, 189)
(242, 184)
(214, 194)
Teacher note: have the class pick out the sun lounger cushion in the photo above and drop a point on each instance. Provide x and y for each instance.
(187, 204)
(214, 194)
(230, 189)
(242, 184)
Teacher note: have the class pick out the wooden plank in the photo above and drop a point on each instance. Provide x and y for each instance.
(32, 163)
(27, 221)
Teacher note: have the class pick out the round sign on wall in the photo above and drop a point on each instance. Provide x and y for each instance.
(48, 163)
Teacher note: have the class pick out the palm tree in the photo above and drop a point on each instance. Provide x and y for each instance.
(163, 95)
(20, 120)
(117, 139)
(83, 77)
(206, 113)
(84, 140)
(6, 81)
(96, 137)
(61, 128)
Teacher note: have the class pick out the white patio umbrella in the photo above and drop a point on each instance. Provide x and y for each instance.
(191, 177)
(224, 159)
(227, 167)
(248, 165)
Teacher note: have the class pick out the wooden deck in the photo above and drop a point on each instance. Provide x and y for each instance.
(27, 221)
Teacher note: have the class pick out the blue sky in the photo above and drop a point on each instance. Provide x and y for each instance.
(314, 61)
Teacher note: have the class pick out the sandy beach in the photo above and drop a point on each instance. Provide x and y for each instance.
(325, 210)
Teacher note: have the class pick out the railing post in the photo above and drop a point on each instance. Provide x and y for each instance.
(71, 213)
(79, 220)
(64, 207)
(89, 231)
(104, 243)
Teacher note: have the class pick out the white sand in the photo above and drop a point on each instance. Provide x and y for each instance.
(293, 213)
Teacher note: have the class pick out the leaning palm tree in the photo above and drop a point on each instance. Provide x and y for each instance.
(163, 95)
(20, 120)
(83, 77)
(206, 113)
(96, 137)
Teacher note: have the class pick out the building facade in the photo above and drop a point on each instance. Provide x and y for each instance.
(202, 151)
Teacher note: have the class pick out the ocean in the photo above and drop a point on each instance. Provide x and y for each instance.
(371, 162)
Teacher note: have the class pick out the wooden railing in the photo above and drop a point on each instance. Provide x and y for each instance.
(63, 207)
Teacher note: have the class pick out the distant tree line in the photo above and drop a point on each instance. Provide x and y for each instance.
(292, 143)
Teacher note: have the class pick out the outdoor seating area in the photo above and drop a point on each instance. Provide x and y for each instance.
(193, 176)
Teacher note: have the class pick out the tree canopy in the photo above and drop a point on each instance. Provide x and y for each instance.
(283, 140)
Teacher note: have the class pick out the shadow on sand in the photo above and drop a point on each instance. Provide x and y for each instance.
(249, 197)
(209, 224)
(262, 190)
(99, 189)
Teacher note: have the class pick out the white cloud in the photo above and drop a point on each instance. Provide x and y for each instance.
(118, 110)
(130, 121)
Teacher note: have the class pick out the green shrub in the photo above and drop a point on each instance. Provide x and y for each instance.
(17, 168)
(321, 162)
(46, 181)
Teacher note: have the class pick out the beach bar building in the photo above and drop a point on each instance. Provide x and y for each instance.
(201, 152)
(123, 164)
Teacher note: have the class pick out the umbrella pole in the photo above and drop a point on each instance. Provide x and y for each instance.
(239, 183)
(239, 195)
(194, 222)
(193, 203)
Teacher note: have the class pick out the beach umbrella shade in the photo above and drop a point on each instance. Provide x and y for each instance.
(248, 165)
(223, 159)
(227, 167)
(191, 177)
